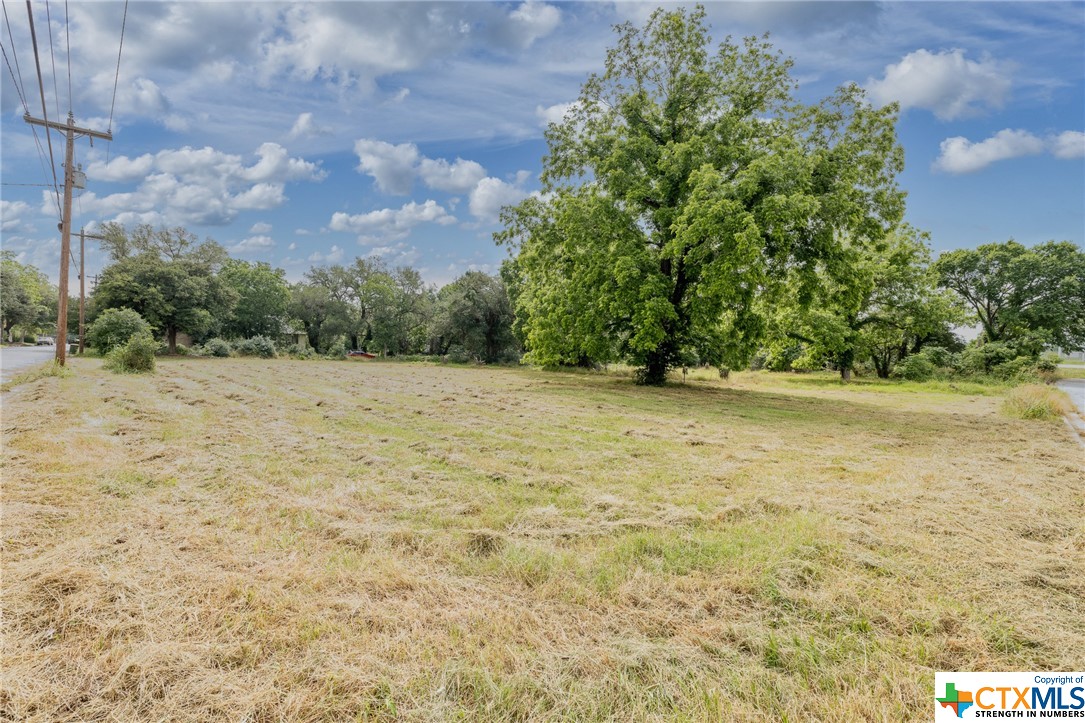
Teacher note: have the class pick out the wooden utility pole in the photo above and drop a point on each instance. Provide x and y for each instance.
(83, 236)
(70, 131)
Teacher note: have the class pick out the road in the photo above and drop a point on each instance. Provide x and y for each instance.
(17, 359)
(1076, 389)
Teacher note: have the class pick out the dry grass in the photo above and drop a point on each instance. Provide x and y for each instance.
(1037, 401)
(252, 540)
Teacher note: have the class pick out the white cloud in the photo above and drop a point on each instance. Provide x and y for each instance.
(306, 127)
(332, 257)
(122, 168)
(552, 114)
(491, 194)
(945, 83)
(292, 247)
(389, 224)
(1068, 145)
(960, 155)
(196, 186)
(533, 20)
(395, 168)
(11, 215)
(458, 177)
(253, 243)
(392, 167)
(260, 227)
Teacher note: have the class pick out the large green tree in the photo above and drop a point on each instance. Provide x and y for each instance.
(27, 299)
(474, 311)
(681, 185)
(166, 276)
(880, 303)
(1021, 296)
(262, 298)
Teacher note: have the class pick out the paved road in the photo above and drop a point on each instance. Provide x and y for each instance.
(16, 359)
(1076, 389)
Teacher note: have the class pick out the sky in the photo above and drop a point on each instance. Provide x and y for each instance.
(309, 134)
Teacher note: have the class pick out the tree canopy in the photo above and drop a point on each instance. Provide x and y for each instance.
(679, 187)
(1024, 297)
(27, 299)
(168, 278)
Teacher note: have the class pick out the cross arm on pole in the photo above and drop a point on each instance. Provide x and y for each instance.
(104, 135)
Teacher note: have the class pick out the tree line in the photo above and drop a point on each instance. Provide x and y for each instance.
(693, 212)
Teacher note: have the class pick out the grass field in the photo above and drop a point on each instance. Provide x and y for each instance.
(253, 540)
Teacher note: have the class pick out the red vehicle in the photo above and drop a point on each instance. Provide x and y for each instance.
(362, 354)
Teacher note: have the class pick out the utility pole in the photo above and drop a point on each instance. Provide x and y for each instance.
(83, 236)
(70, 131)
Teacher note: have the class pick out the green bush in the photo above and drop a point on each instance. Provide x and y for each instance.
(135, 356)
(915, 368)
(337, 349)
(260, 346)
(217, 347)
(114, 328)
(939, 356)
(300, 351)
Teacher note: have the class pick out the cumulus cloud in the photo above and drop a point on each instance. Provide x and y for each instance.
(332, 257)
(1068, 145)
(391, 224)
(491, 194)
(260, 227)
(392, 167)
(960, 155)
(306, 127)
(396, 167)
(457, 177)
(196, 186)
(945, 83)
(531, 21)
(552, 114)
(12, 215)
(253, 244)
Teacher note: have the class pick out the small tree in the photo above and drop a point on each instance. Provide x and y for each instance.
(114, 327)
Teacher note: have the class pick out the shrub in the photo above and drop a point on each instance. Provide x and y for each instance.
(1020, 368)
(136, 356)
(217, 347)
(1036, 401)
(300, 351)
(939, 356)
(915, 368)
(337, 349)
(115, 327)
(260, 346)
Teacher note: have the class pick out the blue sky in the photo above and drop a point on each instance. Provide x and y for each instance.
(310, 134)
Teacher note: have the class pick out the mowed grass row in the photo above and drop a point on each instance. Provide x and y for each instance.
(272, 540)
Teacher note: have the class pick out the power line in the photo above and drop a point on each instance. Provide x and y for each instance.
(117, 77)
(68, 43)
(17, 78)
(52, 57)
(41, 89)
(19, 85)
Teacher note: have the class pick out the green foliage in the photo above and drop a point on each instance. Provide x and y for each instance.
(337, 349)
(474, 313)
(683, 184)
(263, 296)
(878, 303)
(115, 327)
(1025, 297)
(134, 356)
(217, 347)
(983, 358)
(915, 368)
(27, 300)
(1036, 401)
(172, 282)
(260, 346)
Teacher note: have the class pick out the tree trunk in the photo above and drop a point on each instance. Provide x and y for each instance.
(171, 334)
(847, 359)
